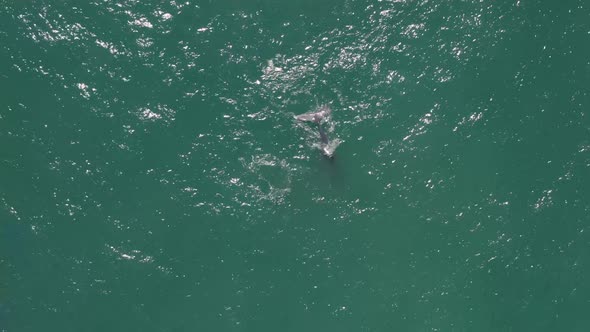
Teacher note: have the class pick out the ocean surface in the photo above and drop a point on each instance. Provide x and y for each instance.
(153, 176)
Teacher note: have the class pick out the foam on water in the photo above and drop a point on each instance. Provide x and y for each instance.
(150, 156)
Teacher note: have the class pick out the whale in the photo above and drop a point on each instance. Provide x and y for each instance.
(318, 118)
(323, 112)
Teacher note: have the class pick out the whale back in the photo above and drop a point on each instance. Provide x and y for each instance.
(323, 112)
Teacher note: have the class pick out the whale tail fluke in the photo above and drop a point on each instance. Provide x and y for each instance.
(321, 116)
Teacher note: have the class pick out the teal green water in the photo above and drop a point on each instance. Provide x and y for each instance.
(153, 178)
